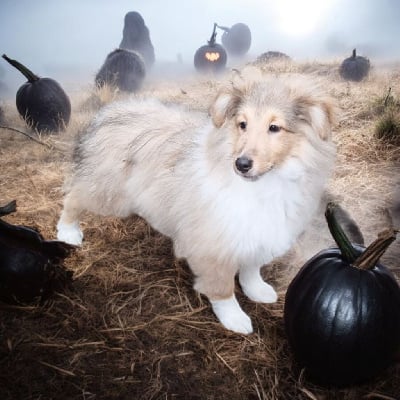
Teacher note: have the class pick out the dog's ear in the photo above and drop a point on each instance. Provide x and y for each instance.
(320, 113)
(227, 102)
(225, 106)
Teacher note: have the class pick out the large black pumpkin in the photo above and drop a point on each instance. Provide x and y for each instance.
(236, 39)
(30, 267)
(354, 68)
(211, 57)
(42, 102)
(342, 311)
(124, 69)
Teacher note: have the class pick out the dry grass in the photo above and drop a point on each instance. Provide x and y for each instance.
(131, 327)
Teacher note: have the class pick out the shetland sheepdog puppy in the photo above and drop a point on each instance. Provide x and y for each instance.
(232, 188)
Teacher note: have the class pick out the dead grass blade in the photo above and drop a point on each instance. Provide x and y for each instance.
(29, 137)
(58, 369)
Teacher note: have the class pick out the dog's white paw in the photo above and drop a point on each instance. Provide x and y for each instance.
(256, 289)
(69, 233)
(231, 315)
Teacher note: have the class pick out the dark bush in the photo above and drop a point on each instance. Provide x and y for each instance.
(136, 37)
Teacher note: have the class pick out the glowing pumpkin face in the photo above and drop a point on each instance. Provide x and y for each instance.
(211, 56)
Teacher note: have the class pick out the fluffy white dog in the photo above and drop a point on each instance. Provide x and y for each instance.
(233, 191)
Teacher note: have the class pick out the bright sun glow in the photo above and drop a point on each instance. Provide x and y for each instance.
(301, 17)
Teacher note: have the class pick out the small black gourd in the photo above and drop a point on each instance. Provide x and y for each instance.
(354, 68)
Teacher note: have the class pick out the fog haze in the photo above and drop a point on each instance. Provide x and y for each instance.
(69, 40)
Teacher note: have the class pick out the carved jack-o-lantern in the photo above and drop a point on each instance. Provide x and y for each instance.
(210, 57)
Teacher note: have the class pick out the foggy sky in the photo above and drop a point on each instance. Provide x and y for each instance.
(69, 40)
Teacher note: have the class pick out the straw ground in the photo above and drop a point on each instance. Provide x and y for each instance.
(131, 327)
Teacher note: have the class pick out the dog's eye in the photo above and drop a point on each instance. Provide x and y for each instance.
(274, 128)
(242, 125)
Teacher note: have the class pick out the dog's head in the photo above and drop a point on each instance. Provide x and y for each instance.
(271, 121)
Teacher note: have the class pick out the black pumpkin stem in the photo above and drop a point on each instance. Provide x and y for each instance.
(21, 68)
(224, 28)
(354, 53)
(349, 253)
(370, 257)
(213, 37)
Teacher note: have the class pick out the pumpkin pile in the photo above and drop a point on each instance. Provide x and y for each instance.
(41, 102)
(342, 311)
(31, 267)
(210, 57)
(123, 69)
(354, 68)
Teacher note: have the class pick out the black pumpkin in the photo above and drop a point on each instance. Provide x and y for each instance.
(211, 57)
(123, 69)
(42, 102)
(30, 267)
(354, 68)
(236, 39)
(342, 311)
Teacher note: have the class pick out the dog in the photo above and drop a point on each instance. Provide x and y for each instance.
(233, 188)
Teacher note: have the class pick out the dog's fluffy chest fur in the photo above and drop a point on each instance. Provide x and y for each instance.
(257, 221)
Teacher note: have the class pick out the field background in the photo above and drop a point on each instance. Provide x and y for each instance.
(131, 327)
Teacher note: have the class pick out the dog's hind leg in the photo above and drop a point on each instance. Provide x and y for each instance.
(254, 287)
(68, 229)
(217, 283)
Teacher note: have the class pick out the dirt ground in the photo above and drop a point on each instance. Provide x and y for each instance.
(131, 326)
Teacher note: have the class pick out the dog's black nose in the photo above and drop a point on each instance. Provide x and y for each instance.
(243, 164)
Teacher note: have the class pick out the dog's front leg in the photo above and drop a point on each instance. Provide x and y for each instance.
(254, 287)
(217, 282)
(231, 315)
